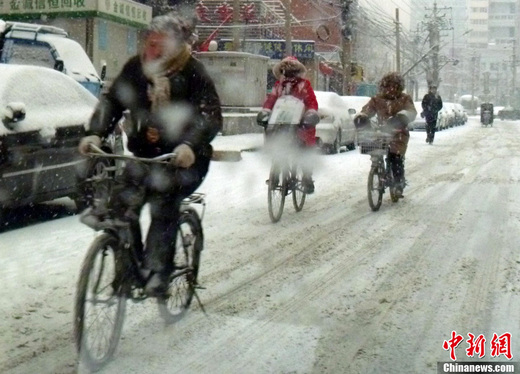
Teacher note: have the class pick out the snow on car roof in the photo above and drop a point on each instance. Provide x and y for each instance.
(51, 98)
(355, 102)
(329, 102)
(74, 57)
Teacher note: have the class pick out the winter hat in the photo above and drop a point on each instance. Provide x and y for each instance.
(289, 65)
(391, 80)
(176, 26)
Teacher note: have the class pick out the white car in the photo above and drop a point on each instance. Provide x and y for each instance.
(355, 102)
(336, 127)
(419, 123)
(460, 114)
(446, 117)
(48, 46)
(43, 115)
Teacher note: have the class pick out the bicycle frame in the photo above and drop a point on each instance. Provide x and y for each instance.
(121, 230)
(385, 169)
(112, 272)
(285, 176)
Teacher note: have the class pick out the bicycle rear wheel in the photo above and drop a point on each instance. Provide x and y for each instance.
(100, 304)
(183, 281)
(298, 195)
(276, 192)
(375, 188)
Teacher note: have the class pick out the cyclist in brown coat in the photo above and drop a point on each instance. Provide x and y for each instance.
(394, 110)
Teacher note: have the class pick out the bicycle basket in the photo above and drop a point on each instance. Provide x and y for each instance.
(373, 142)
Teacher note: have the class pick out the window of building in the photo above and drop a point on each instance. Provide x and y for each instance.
(131, 42)
(102, 35)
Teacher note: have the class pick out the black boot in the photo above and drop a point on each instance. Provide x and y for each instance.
(308, 184)
(157, 284)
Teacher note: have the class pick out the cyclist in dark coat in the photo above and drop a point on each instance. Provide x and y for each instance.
(431, 105)
(174, 107)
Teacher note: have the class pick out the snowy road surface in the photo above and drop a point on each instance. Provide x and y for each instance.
(335, 288)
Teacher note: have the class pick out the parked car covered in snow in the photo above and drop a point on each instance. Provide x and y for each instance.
(461, 115)
(355, 102)
(509, 113)
(44, 114)
(446, 116)
(48, 46)
(419, 123)
(336, 127)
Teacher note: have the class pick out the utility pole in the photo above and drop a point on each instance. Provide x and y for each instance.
(497, 94)
(513, 84)
(486, 90)
(397, 42)
(288, 32)
(435, 25)
(346, 42)
(236, 23)
(474, 59)
(414, 82)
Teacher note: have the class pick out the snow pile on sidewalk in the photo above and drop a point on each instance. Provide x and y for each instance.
(241, 142)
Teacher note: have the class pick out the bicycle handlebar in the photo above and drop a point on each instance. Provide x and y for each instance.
(162, 159)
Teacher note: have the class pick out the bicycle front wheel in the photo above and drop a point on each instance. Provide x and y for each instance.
(100, 304)
(298, 194)
(188, 247)
(375, 188)
(276, 192)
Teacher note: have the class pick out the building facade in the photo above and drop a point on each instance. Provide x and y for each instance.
(493, 46)
(108, 30)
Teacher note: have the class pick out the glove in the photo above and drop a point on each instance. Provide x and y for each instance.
(422, 114)
(310, 118)
(263, 117)
(85, 142)
(361, 120)
(403, 118)
(185, 156)
(397, 122)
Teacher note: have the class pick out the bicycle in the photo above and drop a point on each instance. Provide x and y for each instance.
(111, 272)
(285, 176)
(376, 144)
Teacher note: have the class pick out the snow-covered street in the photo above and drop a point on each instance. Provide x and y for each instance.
(335, 288)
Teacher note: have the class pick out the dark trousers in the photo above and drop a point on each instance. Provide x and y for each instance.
(164, 188)
(397, 163)
(430, 129)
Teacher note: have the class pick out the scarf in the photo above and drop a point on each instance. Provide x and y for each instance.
(159, 90)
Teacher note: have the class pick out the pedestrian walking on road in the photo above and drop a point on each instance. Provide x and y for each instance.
(431, 105)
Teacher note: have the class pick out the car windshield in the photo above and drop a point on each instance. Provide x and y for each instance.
(28, 54)
(74, 57)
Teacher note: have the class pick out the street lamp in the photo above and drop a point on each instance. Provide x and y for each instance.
(454, 61)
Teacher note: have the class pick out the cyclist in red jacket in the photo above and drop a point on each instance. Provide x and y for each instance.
(290, 75)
